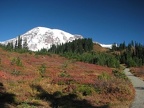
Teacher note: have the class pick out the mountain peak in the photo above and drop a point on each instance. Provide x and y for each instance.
(42, 37)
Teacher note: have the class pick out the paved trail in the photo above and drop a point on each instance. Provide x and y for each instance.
(139, 87)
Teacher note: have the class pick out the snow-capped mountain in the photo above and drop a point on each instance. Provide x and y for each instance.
(42, 37)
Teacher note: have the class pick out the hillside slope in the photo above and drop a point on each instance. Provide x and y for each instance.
(30, 80)
(99, 48)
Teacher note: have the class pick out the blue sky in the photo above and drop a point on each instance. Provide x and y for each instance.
(105, 21)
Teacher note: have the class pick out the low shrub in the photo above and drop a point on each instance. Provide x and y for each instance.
(119, 74)
(113, 85)
(26, 105)
(63, 81)
(16, 61)
(85, 90)
(64, 74)
(42, 69)
(104, 76)
(15, 72)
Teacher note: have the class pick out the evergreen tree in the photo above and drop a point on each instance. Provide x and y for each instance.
(9, 46)
(19, 42)
(16, 44)
(25, 45)
(77, 46)
(114, 47)
(122, 46)
(133, 54)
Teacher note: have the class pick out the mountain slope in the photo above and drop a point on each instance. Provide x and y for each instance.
(42, 37)
(104, 45)
(98, 48)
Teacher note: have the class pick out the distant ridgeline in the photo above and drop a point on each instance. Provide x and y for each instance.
(132, 54)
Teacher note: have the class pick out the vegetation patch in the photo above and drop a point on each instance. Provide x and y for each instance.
(64, 74)
(104, 76)
(118, 85)
(63, 82)
(16, 72)
(138, 71)
(131, 54)
(16, 61)
(42, 69)
(120, 74)
(85, 89)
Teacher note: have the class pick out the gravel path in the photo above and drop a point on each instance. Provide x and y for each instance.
(139, 88)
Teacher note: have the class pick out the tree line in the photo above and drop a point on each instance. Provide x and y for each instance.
(82, 50)
(77, 46)
(19, 45)
(132, 54)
